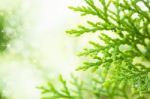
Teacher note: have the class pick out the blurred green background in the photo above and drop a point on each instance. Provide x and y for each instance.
(35, 46)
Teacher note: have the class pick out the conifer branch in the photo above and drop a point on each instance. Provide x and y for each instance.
(121, 76)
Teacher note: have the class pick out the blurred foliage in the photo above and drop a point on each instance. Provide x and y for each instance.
(10, 23)
(4, 38)
(121, 64)
(1, 96)
(1, 92)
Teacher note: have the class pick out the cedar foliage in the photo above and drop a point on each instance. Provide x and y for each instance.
(122, 71)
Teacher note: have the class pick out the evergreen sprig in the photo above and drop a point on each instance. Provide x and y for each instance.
(122, 65)
(74, 91)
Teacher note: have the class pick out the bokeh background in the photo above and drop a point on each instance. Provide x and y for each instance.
(40, 49)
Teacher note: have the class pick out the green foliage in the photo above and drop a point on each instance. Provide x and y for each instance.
(74, 91)
(122, 71)
(10, 23)
(4, 38)
(1, 95)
